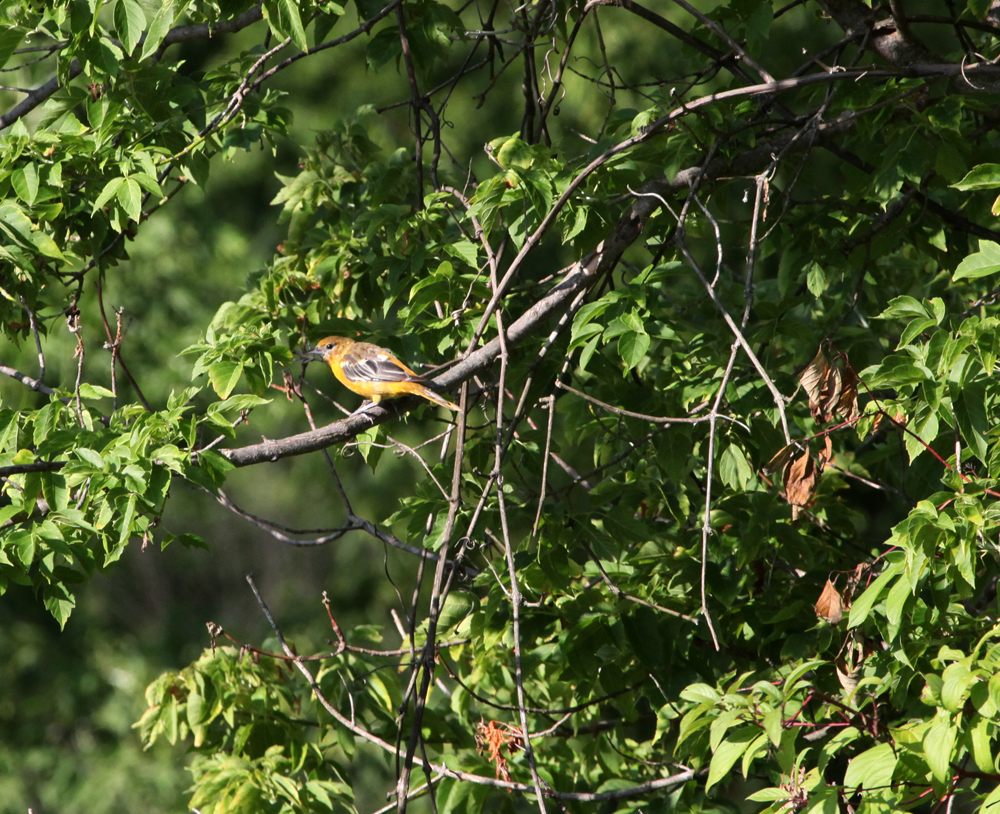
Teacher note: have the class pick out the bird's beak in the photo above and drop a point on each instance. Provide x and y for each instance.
(309, 355)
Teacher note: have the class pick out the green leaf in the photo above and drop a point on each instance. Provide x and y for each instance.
(731, 750)
(982, 744)
(59, 602)
(970, 410)
(325, 22)
(984, 262)
(735, 469)
(863, 604)
(10, 38)
(895, 602)
(130, 198)
(94, 391)
(871, 769)
(982, 176)
(769, 795)
(758, 25)
(457, 606)
(992, 800)
(224, 376)
(939, 744)
(25, 182)
(903, 307)
(956, 681)
(285, 20)
(632, 348)
(91, 457)
(370, 444)
(701, 694)
(110, 190)
(129, 23)
(162, 21)
(816, 279)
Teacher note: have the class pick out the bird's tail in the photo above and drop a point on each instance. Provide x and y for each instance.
(427, 393)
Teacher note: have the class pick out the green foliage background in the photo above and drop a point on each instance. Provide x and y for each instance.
(637, 590)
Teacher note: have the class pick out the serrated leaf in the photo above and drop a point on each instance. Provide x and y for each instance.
(129, 23)
(162, 21)
(110, 190)
(983, 176)
(457, 606)
(130, 198)
(285, 20)
(25, 182)
(816, 279)
(95, 391)
(984, 262)
(224, 376)
(632, 348)
(734, 468)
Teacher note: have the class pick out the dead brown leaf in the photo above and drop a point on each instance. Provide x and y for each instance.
(812, 377)
(801, 477)
(830, 605)
(826, 455)
(847, 406)
(823, 384)
(492, 737)
(780, 458)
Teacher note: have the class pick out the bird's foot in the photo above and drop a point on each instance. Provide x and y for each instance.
(364, 408)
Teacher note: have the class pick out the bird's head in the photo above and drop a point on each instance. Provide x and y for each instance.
(324, 348)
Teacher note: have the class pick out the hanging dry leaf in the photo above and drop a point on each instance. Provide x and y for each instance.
(829, 396)
(492, 737)
(848, 404)
(830, 606)
(801, 478)
(812, 377)
(780, 458)
(826, 455)
(824, 385)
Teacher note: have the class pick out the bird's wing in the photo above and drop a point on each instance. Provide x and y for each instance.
(375, 365)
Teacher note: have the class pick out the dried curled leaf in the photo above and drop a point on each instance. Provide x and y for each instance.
(848, 404)
(826, 455)
(824, 385)
(801, 477)
(830, 389)
(492, 737)
(812, 377)
(830, 605)
(780, 458)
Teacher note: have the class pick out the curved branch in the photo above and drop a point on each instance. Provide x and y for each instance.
(602, 260)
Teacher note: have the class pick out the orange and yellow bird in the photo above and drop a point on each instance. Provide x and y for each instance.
(372, 372)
